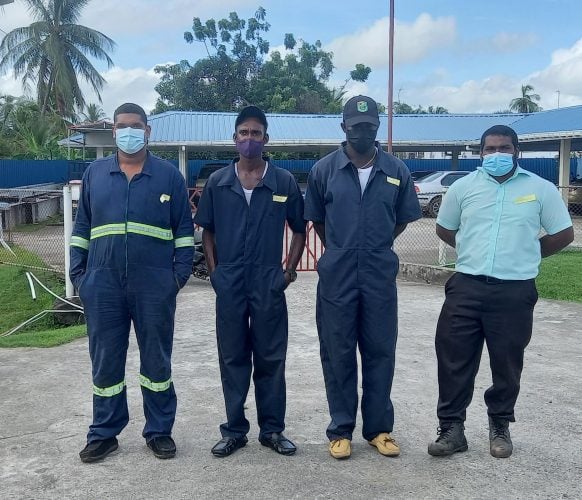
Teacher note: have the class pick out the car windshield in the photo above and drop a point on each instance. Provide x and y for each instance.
(430, 177)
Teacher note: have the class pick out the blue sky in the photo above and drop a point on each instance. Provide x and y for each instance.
(465, 56)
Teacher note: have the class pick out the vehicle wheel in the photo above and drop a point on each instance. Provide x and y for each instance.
(434, 206)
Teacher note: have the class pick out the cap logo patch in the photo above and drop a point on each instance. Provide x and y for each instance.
(362, 106)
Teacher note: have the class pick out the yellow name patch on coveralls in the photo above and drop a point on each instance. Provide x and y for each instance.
(164, 197)
(392, 180)
(279, 198)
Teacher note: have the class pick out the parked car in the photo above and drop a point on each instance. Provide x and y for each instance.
(419, 174)
(203, 176)
(431, 189)
(575, 197)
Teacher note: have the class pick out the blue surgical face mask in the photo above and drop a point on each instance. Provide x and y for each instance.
(130, 140)
(497, 164)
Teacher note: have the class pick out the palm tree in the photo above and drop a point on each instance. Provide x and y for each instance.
(53, 52)
(527, 102)
(93, 113)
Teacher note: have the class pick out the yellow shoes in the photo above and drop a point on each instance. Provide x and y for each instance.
(385, 444)
(340, 448)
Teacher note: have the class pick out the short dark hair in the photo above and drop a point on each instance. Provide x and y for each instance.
(503, 130)
(251, 112)
(134, 109)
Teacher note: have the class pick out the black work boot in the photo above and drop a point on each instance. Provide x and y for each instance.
(451, 440)
(500, 444)
(97, 450)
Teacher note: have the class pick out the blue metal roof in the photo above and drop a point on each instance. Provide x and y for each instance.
(191, 127)
(199, 129)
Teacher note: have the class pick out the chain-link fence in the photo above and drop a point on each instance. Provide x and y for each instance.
(32, 234)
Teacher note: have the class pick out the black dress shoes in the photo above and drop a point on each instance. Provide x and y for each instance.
(97, 450)
(228, 445)
(279, 443)
(163, 447)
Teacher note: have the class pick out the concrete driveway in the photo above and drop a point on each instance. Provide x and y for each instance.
(45, 408)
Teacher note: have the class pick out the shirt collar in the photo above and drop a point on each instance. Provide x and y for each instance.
(381, 160)
(270, 179)
(146, 170)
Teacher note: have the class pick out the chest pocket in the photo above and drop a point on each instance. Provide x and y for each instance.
(523, 209)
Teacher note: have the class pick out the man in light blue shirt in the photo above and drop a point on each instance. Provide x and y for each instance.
(493, 217)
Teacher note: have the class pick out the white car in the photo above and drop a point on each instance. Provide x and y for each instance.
(431, 189)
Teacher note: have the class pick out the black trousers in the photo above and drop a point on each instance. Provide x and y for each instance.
(478, 310)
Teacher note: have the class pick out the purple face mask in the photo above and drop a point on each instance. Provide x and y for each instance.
(249, 148)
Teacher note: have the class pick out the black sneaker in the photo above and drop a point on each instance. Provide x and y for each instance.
(500, 445)
(451, 440)
(163, 447)
(98, 450)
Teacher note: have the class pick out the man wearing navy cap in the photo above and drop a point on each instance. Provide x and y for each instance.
(243, 210)
(359, 199)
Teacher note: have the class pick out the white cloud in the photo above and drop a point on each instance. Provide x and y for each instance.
(413, 42)
(564, 74)
(131, 17)
(126, 85)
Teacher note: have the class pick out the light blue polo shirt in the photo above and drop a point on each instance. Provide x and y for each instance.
(499, 225)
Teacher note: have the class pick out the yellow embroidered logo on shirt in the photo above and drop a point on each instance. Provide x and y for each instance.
(279, 198)
(392, 180)
(164, 197)
(525, 199)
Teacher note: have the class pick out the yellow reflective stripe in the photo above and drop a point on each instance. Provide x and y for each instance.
(133, 227)
(107, 392)
(186, 241)
(153, 231)
(77, 241)
(154, 386)
(107, 230)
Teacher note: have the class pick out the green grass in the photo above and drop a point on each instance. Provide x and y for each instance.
(17, 305)
(560, 276)
(23, 258)
(56, 219)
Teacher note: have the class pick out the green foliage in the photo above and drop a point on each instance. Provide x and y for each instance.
(25, 132)
(234, 74)
(527, 102)
(560, 276)
(402, 108)
(52, 52)
(17, 305)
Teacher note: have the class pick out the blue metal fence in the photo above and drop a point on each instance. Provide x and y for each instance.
(17, 173)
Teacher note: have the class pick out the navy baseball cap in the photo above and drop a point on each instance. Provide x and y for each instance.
(361, 109)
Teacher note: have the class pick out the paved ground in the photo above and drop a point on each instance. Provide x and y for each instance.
(45, 408)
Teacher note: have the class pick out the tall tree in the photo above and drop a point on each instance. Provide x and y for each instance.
(527, 103)
(235, 73)
(93, 113)
(53, 52)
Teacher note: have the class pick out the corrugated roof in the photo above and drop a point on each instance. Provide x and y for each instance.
(198, 128)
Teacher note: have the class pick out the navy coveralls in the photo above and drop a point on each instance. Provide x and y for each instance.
(131, 251)
(356, 294)
(251, 312)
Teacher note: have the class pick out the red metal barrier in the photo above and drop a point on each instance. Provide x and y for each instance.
(312, 252)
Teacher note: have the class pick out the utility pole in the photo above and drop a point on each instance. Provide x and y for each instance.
(390, 75)
(558, 92)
